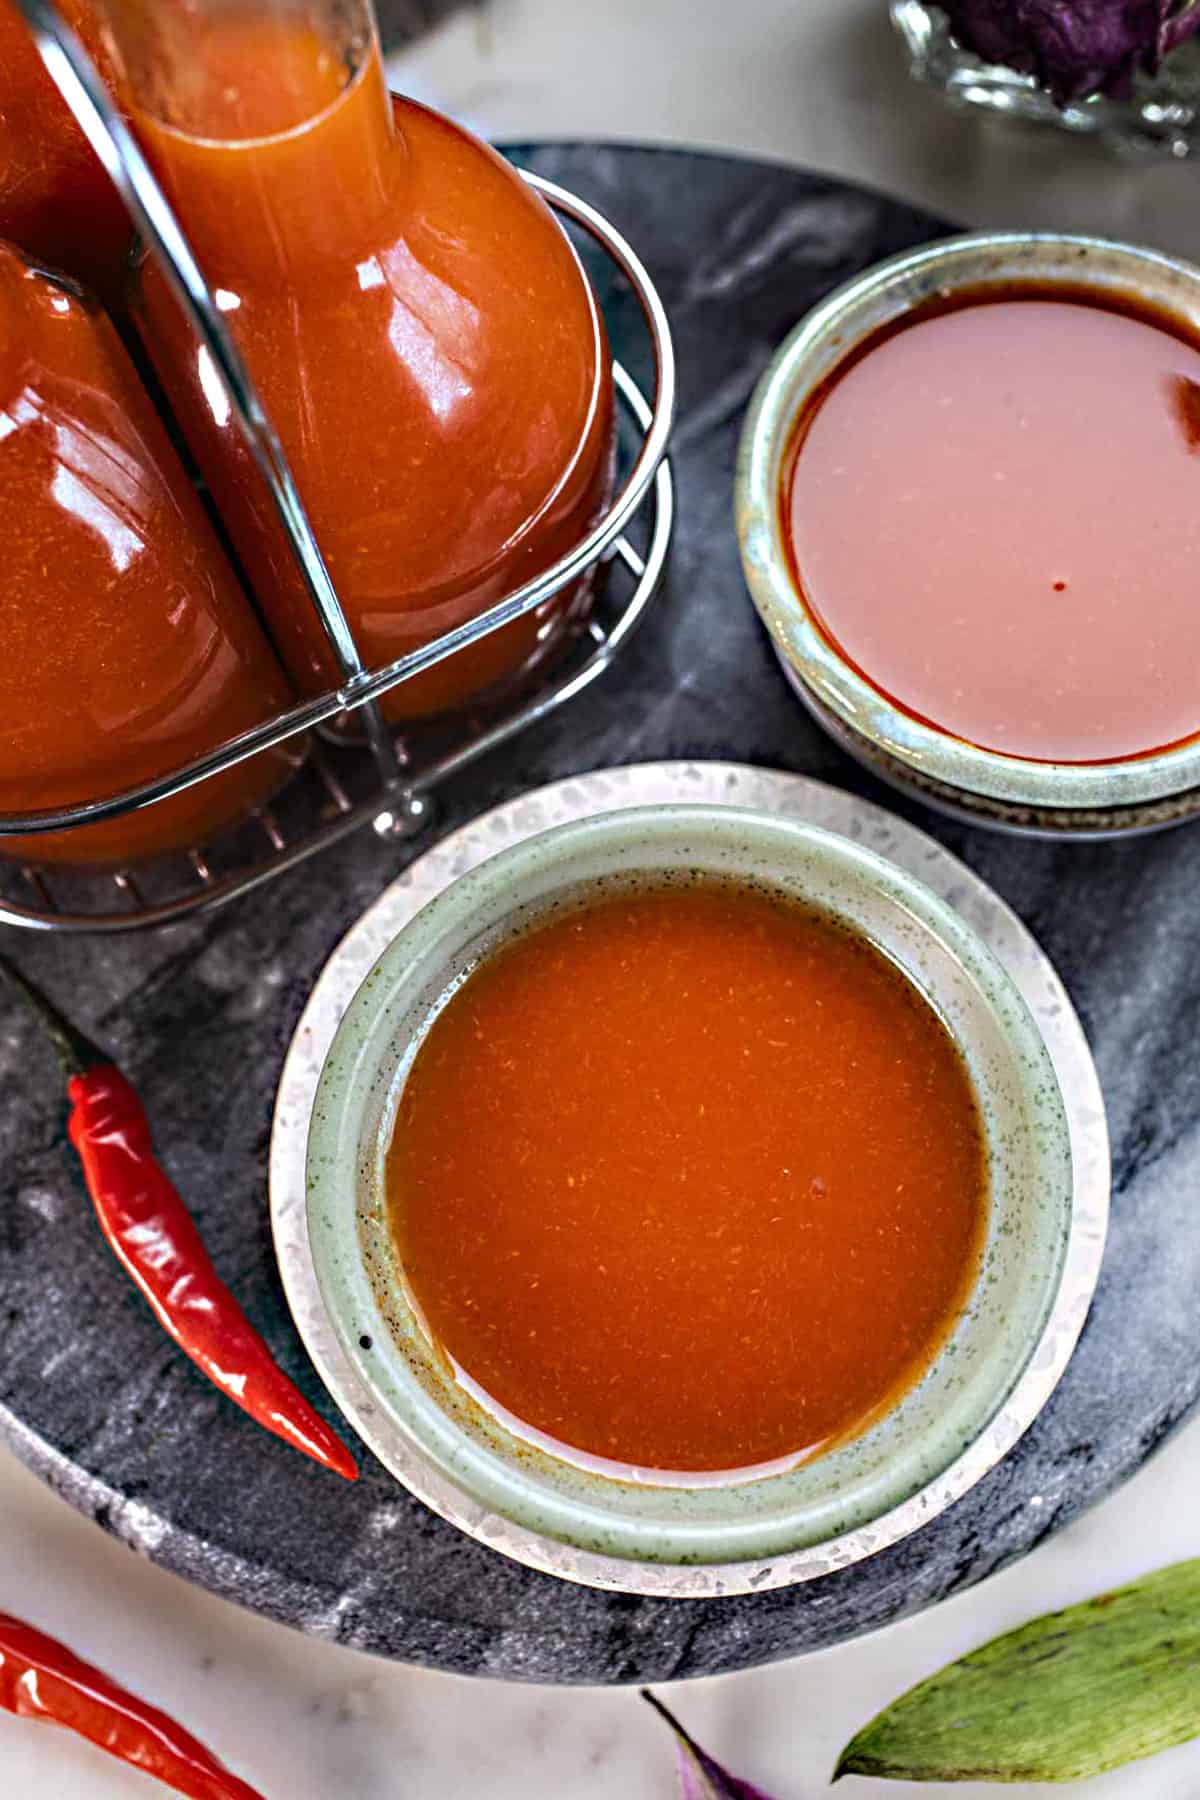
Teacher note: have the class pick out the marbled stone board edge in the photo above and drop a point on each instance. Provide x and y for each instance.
(201, 1016)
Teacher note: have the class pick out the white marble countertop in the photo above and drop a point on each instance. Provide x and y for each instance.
(818, 82)
(304, 1720)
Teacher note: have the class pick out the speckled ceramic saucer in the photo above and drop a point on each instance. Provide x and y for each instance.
(785, 796)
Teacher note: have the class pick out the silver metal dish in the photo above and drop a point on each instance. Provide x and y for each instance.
(1071, 799)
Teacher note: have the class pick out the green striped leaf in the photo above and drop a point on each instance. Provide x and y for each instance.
(1069, 1695)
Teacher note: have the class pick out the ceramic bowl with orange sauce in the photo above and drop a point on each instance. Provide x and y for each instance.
(687, 1186)
(965, 502)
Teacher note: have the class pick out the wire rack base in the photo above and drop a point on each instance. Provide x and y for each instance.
(339, 790)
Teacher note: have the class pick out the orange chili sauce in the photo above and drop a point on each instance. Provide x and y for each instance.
(689, 1178)
(1020, 587)
(56, 202)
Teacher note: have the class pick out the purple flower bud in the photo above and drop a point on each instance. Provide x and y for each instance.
(1074, 47)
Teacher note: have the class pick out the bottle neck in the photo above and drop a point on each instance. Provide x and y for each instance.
(268, 122)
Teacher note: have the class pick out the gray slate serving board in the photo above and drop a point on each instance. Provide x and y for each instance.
(94, 1398)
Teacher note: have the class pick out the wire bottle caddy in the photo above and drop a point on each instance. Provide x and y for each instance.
(387, 781)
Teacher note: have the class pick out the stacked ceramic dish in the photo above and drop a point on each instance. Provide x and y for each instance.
(376, 1326)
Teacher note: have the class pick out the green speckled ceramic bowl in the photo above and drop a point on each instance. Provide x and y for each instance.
(459, 1449)
(1085, 800)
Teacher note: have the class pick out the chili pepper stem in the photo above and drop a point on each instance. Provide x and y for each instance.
(76, 1053)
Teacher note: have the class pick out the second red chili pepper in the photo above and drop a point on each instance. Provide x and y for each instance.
(41, 1679)
(155, 1238)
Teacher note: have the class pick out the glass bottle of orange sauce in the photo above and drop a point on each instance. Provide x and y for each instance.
(419, 327)
(129, 647)
(56, 202)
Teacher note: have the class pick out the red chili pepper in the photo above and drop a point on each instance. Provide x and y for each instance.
(41, 1679)
(155, 1238)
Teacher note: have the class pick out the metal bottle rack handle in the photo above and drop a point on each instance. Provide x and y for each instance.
(397, 803)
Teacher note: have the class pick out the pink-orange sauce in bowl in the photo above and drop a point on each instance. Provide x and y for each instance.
(967, 504)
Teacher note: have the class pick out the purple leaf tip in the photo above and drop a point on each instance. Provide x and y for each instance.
(701, 1777)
